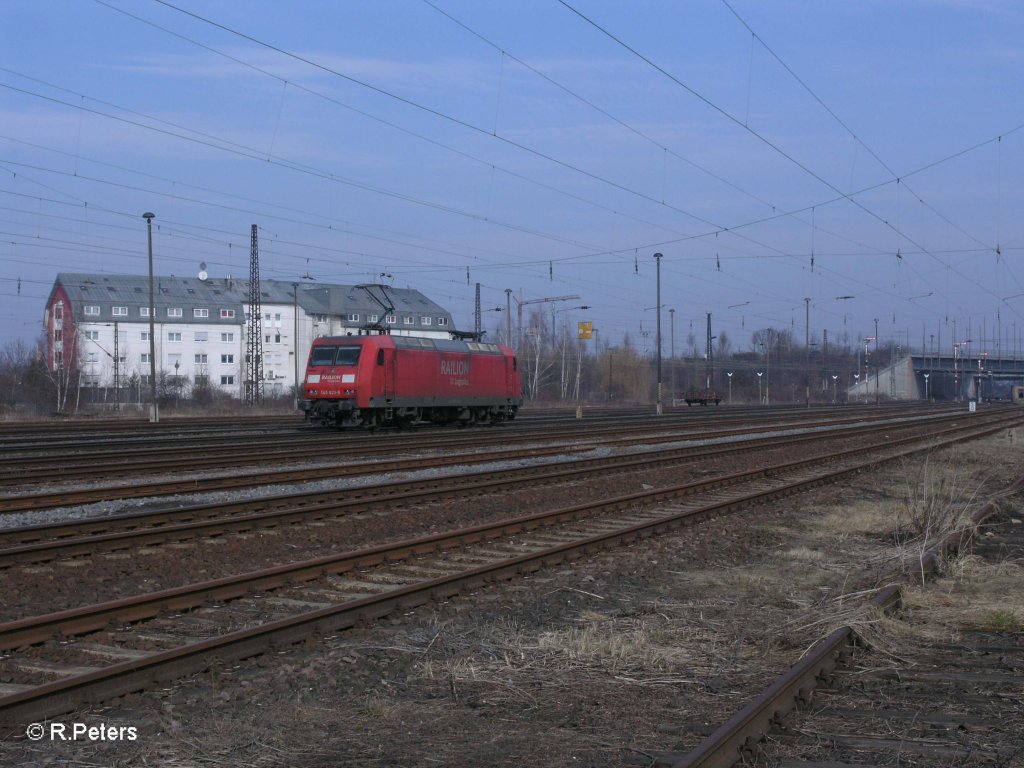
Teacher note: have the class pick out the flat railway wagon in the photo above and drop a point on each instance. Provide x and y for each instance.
(377, 381)
(702, 397)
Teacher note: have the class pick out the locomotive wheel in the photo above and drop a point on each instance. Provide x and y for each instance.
(407, 419)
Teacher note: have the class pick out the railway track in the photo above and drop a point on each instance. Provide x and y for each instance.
(144, 639)
(55, 449)
(953, 702)
(580, 438)
(83, 537)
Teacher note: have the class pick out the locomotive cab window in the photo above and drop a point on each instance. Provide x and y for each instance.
(323, 356)
(348, 355)
(335, 356)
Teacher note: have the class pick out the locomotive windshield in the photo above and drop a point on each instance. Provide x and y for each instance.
(325, 355)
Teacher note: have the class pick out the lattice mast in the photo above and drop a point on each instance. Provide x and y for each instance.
(477, 319)
(254, 344)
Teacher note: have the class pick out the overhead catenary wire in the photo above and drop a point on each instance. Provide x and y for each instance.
(540, 262)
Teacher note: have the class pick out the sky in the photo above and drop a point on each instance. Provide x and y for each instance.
(848, 163)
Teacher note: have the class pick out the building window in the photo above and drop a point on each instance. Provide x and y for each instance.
(277, 338)
(227, 337)
(201, 380)
(353, 317)
(201, 358)
(197, 312)
(425, 321)
(92, 335)
(372, 318)
(202, 336)
(91, 310)
(120, 311)
(442, 321)
(92, 357)
(174, 311)
(225, 380)
(143, 311)
(227, 314)
(144, 357)
(391, 319)
(173, 336)
(227, 359)
(145, 335)
(408, 319)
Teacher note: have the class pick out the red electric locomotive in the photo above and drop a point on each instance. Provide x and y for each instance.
(374, 381)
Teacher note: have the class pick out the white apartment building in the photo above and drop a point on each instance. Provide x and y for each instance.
(100, 324)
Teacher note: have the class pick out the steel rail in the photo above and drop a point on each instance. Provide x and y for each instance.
(59, 696)
(736, 739)
(70, 462)
(67, 497)
(149, 441)
(45, 542)
(74, 621)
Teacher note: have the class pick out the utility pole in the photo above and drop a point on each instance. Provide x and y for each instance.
(807, 351)
(876, 361)
(672, 349)
(154, 409)
(295, 340)
(711, 358)
(657, 263)
(477, 319)
(508, 317)
(254, 347)
(117, 371)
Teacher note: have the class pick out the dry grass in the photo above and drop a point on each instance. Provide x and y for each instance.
(859, 518)
(974, 595)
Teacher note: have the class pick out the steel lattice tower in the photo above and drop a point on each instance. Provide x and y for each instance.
(254, 345)
(477, 319)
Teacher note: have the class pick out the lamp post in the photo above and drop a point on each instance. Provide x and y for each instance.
(759, 400)
(926, 386)
(856, 382)
(729, 374)
(657, 262)
(835, 376)
(154, 409)
(177, 382)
